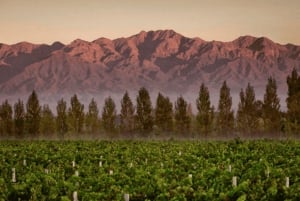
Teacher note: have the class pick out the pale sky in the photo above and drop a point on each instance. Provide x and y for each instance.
(41, 21)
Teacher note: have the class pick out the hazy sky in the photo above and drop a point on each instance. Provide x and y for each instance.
(46, 21)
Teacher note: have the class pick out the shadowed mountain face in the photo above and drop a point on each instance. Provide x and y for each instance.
(159, 60)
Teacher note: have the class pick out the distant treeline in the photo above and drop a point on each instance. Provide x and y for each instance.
(254, 118)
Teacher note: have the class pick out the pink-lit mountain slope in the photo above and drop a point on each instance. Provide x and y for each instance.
(159, 60)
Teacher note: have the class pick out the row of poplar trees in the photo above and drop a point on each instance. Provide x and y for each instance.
(252, 116)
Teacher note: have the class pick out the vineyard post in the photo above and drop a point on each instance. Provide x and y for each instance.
(24, 162)
(100, 163)
(126, 197)
(75, 196)
(14, 180)
(287, 182)
(76, 173)
(229, 168)
(234, 181)
(73, 164)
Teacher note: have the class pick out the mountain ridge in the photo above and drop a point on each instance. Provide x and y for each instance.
(161, 60)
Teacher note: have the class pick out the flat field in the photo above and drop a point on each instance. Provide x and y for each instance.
(150, 170)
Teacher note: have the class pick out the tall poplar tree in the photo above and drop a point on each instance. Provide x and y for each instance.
(47, 122)
(247, 114)
(61, 118)
(182, 118)
(109, 115)
(144, 111)
(127, 118)
(92, 117)
(293, 101)
(271, 107)
(19, 118)
(76, 115)
(205, 113)
(164, 113)
(6, 119)
(33, 115)
(225, 118)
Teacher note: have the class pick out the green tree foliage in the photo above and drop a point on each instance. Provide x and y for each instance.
(127, 114)
(247, 114)
(164, 113)
(144, 111)
(251, 115)
(109, 115)
(225, 118)
(293, 101)
(6, 119)
(61, 118)
(47, 122)
(92, 117)
(19, 118)
(76, 115)
(205, 113)
(33, 115)
(182, 118)
(271, 107)
(293, 82)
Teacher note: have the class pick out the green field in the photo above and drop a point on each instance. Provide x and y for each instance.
(150, 170)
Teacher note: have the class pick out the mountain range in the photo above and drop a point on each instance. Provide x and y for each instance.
(160, 60)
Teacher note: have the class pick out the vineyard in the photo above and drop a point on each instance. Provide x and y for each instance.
(153, 170)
